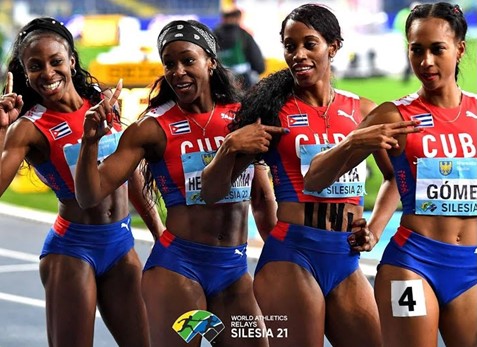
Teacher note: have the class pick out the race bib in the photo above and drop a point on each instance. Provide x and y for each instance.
(107, 145)
(350, 184)
(193, 165)
(446, 186)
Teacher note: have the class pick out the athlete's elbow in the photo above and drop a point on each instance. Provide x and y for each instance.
(84, 201)
(208, 197)
(312, 184)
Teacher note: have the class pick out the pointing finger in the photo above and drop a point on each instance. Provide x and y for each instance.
(9, 85)
(275, 130)
(117, 92)
(405, 124)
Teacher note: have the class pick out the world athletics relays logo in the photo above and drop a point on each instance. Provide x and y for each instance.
(198, 322)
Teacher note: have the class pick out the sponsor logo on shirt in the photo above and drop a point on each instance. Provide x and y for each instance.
(347, 115)
(471, 114)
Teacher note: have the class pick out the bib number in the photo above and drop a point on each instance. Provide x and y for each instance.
(407, 298)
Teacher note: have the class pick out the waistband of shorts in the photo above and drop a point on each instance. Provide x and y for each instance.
(307, 235)
(167, 238)
(404, 236)
(61, 225)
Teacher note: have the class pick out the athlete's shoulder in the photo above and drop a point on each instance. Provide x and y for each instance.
(469, 95)
(346, 93)
(406, 100)
(35, 113)
(161, 109)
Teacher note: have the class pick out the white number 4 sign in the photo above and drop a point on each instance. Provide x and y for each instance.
(407, 298)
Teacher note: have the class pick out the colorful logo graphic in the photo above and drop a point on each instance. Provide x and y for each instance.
(428, 206)
(445, 167)
(198, 322)
(207, 158)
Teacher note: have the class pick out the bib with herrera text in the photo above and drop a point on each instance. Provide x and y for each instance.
(193, 165)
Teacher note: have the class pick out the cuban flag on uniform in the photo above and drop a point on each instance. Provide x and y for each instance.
(60, 130)
(181, 127)
(427, 121)
(298, 120)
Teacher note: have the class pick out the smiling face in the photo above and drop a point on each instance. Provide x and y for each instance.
(307, 54)
(48, 64)
(187, 69)
(434, 52)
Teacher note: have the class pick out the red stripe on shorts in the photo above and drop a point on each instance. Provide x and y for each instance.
(402, 235)
(166, 238)
(61, 226)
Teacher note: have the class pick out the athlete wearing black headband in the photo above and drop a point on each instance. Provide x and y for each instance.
(180, 30)
(48, 24)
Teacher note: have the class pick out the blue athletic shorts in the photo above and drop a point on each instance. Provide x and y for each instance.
(99, 245)
(325, 254)
(214, 268)
(449, 269)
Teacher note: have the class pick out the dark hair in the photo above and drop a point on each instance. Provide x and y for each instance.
(452, 14)
(265, 100)
(319, 18)
(272, 92)
(222, 83)
(224, 90)
(85, 84)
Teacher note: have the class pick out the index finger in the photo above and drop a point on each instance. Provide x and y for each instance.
(275, 130)
(116, 93)
(9, 85)
(408, 123)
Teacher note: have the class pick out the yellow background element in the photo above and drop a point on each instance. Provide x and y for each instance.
(142, 74)
(101, 30)
(26, 181)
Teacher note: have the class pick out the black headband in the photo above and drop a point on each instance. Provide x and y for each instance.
(185, 31)
(49, 24)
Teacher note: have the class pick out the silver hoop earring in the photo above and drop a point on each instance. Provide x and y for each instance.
(73, 72)
(27, 82)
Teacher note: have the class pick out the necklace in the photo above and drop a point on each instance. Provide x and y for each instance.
(324, 115)
(197, 123)
(433, 113)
